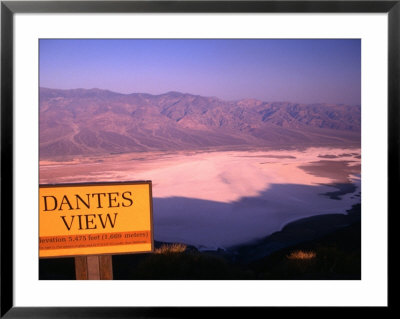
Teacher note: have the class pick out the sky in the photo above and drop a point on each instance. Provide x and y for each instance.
(271, 70)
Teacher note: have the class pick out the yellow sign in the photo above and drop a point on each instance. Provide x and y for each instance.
(94, 219)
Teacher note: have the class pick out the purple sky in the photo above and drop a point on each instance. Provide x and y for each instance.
(303, 71)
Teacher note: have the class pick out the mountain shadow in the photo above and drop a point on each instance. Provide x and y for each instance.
(211, 225)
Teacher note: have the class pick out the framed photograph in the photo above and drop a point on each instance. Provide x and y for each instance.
(164, 155)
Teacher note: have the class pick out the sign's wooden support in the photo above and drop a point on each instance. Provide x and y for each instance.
(81, 269)
(106, 270)
(93, 267)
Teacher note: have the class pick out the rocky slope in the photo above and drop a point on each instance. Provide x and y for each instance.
(83, 122)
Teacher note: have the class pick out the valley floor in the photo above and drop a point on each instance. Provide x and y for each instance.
(219, 199)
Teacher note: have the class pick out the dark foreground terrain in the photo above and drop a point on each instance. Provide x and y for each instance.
(320, 247)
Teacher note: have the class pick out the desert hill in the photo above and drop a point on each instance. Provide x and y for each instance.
(84, 122)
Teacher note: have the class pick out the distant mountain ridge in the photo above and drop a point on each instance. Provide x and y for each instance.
(95, 121)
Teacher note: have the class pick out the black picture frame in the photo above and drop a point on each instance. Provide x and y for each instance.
(9, 8)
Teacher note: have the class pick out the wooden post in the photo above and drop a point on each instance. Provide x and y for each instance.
(106, 270)
(81, 268)
(93, 267)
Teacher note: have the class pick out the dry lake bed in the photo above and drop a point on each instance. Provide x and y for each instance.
(217, 199)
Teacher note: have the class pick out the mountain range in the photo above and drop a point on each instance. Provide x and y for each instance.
(95, 121)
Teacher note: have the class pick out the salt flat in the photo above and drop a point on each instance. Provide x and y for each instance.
(214, 199)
